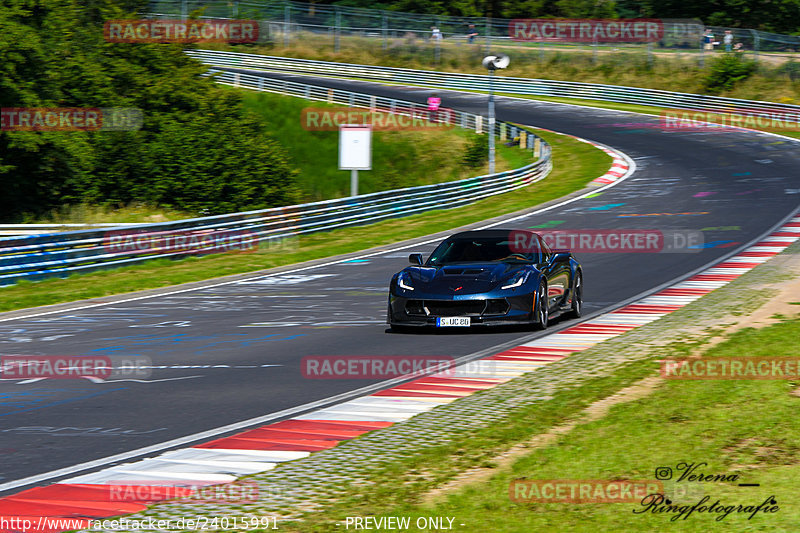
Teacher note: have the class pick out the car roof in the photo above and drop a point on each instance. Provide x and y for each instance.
(489, 233)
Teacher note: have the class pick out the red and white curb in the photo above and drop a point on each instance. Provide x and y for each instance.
(220, 461)
(619, 165)
(618, 168)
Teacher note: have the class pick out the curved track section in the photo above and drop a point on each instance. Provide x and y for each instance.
(232, 352)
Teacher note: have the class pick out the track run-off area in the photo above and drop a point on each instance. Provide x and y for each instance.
(227, 356)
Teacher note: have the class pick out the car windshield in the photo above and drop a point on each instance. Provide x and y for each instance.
(471, 250)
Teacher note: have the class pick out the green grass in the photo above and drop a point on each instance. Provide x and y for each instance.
(744, 428)
(683, 421)
(93, 214)
(575, 164)
(399, 158)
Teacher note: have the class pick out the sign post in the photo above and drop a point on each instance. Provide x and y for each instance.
(355, 151)
(493, 63)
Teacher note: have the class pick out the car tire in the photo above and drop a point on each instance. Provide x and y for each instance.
(541, 309)
(577, 297)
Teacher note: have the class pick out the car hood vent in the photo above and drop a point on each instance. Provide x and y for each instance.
(453, 271)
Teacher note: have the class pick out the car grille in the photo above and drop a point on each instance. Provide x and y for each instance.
(495, 306)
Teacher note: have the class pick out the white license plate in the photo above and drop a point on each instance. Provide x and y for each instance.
(452, 321)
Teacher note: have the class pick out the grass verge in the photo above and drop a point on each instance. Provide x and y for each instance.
(677, 422)
(575, 164)
(399, 158)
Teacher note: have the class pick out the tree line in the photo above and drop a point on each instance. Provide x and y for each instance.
(197, 150)
(779, 16)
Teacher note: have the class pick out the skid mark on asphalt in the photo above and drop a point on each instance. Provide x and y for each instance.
(101, 381)
(98, 380)
(716, 244)
(147, 343)
(70, 431)
(285, 279)
(606, 207)
(686, 214)
(32, 399)
(167, 324)
(548, 224)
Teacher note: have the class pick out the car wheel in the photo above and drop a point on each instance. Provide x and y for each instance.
(542, 310)
(577, 297)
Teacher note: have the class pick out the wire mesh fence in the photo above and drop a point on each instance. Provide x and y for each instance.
(339, 28)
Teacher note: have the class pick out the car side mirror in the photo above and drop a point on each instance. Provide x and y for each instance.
(560, 257)
(415, 259)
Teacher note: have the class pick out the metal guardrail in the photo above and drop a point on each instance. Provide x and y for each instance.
(501, 84)
(41, 256)
(38, 229)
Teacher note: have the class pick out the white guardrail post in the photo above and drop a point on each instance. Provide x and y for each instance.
(60, 254)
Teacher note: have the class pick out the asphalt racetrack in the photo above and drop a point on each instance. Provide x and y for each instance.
(232, 352)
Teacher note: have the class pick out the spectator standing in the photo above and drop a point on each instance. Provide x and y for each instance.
(728, 40)
(472, 34)
(708, 40)
(436, 35)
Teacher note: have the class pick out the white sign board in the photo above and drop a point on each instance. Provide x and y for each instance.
(355, 147)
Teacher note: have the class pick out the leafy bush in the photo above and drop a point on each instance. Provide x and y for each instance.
(726, 71)
(197, 150)
(476, 152)
(790, 69)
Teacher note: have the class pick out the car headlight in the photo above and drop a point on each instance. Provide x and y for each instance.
(404, 281)
(516, 281)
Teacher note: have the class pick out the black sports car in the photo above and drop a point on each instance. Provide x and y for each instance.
(486, 277)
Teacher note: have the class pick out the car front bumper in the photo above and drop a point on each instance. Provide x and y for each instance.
(489, 310)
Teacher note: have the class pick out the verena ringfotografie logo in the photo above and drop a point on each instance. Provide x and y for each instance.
(582, 490)
(731, 368)
(181, 31)
(587, 30)
(190, 492)
(400, 118)
(179, 241)
(375, 367)
(70, 119)
(610, 241)
(74, 367)
(713, 120)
